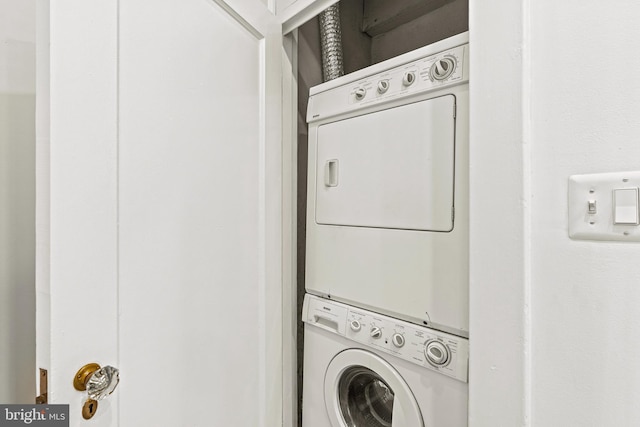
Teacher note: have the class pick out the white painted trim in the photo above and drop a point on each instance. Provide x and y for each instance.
(262, 245)
(272, 390)
(43, 220)
(289, 221)
(499, 375)
(527, 196)
(272, 6)
(252, 17)
(300, 12)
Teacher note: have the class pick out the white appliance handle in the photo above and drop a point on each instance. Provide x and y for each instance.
(331, 173)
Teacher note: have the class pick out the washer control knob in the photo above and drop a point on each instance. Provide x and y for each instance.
(383, 86)
(360, 93)
(442, 68)
(355, 325)
(437, 353)
(375, 332)
(398, 340)
(409, 78)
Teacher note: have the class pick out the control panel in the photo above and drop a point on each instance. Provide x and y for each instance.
(425, 74)
(434, 350)
(432, 72)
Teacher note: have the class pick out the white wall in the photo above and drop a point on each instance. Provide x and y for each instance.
(585, 105)
(17, 201)
(554, 322)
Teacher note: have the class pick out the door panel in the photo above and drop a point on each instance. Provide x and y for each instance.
(190, 215)
(165, 217)
(389, 169)
(76, 198)
(189, 186)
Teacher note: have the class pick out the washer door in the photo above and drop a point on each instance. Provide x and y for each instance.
(363, 390)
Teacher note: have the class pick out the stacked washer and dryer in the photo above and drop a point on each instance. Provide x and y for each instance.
(387, 307)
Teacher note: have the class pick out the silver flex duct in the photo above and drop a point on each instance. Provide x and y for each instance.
(331, 43)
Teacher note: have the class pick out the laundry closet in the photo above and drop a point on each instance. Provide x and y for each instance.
(374, 32)
(165, 202)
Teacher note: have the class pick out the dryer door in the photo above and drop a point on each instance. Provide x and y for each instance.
(388, 169)
(363, 390)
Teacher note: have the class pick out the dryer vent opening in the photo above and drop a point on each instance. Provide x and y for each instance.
(331, 43)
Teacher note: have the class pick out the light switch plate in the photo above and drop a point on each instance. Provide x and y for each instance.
(596, 191)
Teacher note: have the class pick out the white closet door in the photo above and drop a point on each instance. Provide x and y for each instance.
(165, 221)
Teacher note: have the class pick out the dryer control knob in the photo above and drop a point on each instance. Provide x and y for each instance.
(360, 93)
(375, 332)
(437, 353)
(398, 340)
(442, 68)
(355, 325)
(383, 86)
(409, 78)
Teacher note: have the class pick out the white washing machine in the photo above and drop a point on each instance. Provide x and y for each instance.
(363, 369)
(388, 191)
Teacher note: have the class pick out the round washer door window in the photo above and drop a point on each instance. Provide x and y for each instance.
(363, 390)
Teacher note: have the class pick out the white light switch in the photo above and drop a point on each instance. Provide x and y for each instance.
(605, 206)
(625, 206)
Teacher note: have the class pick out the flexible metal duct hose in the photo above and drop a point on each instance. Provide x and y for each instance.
(331, 43)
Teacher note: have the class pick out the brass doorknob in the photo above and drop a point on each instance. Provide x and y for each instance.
(99, 382)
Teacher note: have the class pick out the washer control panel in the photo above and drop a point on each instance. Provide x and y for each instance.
(434, 350)
(429, 73)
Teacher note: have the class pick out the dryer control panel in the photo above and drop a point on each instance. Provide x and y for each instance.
(420, 71)
(428, 73)
(431, 349)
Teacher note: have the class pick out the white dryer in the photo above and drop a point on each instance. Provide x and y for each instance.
(388, 191)
(362, 369)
